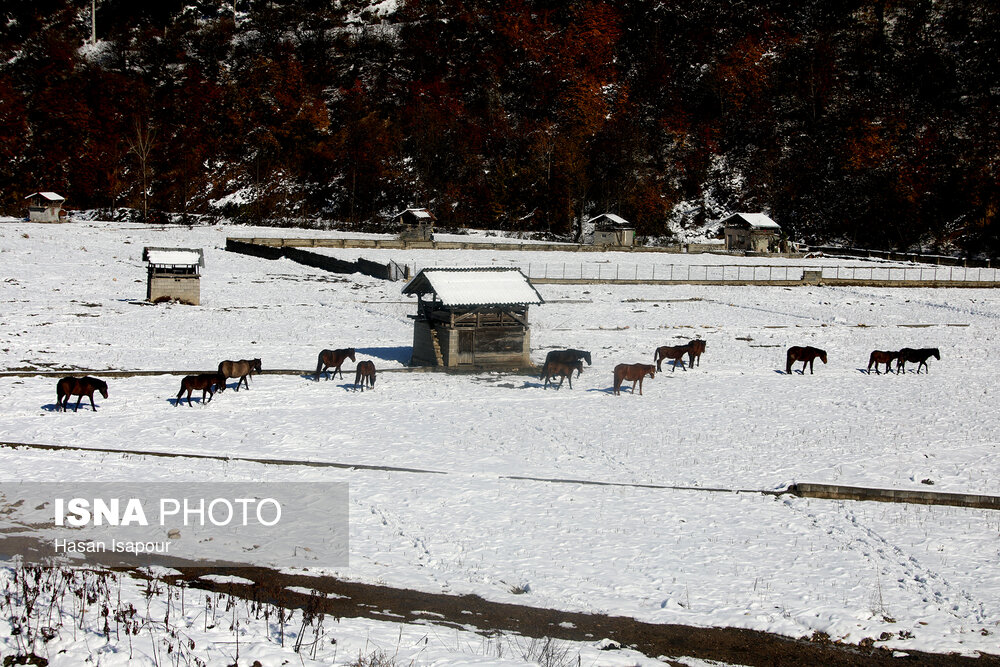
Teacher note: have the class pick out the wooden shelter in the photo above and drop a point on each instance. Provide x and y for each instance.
(474, 317)
(45, 207)
(173, 274)
(611, 229)
(418, 224)
(754, 232)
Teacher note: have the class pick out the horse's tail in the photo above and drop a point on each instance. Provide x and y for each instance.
(789, 358)
(545, 370)
(59, 394)
(656, 355)
(319, 365)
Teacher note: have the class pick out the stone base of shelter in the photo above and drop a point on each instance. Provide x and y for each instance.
(185, 289)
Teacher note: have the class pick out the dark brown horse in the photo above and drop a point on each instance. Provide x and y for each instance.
(807, 355)
(673, 352)
(80, 387)
(633, 372)
(696, 349)
(209, 383)
(565, 357)
(562, 370)
(241, 369)
(881, 357)
(364, 373)
(918, 356)
(333, 359)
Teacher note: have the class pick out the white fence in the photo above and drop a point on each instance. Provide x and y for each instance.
(598, 271)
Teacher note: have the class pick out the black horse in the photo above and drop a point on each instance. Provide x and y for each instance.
(919, 357)
(565, 357)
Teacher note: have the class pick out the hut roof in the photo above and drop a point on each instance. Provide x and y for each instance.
(174, 256)
(50, 196)
(751, 220)
(419, 214)
(480, 286)
(610, 220)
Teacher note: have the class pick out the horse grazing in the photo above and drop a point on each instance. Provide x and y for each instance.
(241, 369)
(209, 383)
(562, 370)
(633, 372)
(565, 357)
(80, 387)
(881, 357)
(675, 353)
(696, 349)
(807, 355)
(364, 373)
(919, 356)
(333, 359)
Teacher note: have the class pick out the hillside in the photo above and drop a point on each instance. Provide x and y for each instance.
(872, 123)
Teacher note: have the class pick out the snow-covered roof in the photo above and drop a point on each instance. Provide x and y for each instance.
(475, 287)
(611, 219)
(754, 220)
(174, 256)
(419, 213)
(51, 196)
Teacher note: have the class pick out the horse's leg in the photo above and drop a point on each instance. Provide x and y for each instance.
(91, 397)
(78, 399)
(569, 377)
(641, 377)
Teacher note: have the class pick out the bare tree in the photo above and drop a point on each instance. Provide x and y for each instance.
(141, 145)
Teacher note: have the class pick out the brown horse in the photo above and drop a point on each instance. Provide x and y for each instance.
(209, 383)
(364, 373)
(565, 357)
(919, 357)
(697, 348)
(80, 387)
(675, 353)
(333, 359)
(881, 357)
(633, 372)
(807, 355)
(241, 369)
(562, 370)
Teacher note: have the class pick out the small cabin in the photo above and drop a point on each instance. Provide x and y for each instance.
(613, 230)
(173, 274)
(752, 232)
(475, 317)
(45, 207)
(417, 223)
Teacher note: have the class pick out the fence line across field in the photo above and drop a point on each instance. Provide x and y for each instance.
(735, 273)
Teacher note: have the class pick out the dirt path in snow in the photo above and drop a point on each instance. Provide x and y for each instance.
(670, 642)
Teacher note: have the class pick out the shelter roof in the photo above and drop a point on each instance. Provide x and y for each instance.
(51, 196)
(174, 256)
(610, 220)
(751, 220)
(478, 286)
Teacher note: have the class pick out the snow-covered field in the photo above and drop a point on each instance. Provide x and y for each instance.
(923, 577)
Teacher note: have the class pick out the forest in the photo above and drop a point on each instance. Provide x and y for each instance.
(870, 123)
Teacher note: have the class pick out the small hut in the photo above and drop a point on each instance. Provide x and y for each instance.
(418, 224)
(610, 229)
(173, 274)
(45, 207)
(472, 317)
(753, 232)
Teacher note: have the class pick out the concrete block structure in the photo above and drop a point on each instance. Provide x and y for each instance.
(173, 274)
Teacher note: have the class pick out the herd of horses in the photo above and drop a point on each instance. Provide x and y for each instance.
(212, 383)
(559, 364)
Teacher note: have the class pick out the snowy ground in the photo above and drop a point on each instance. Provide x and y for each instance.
(923, 577)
